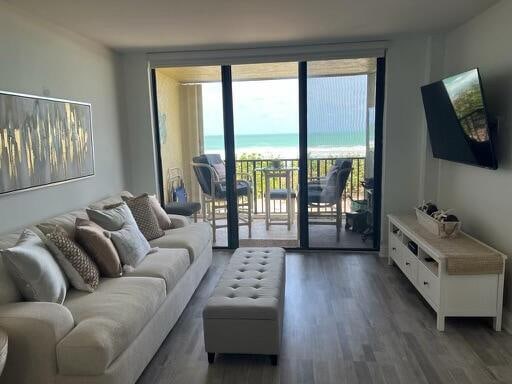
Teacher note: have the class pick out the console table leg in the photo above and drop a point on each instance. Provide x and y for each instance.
(390, 260)
(440, 322)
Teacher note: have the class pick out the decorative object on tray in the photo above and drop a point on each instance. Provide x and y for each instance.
(43, 141)
(438, 221)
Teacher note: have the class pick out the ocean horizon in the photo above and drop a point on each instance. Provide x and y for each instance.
(286, 145)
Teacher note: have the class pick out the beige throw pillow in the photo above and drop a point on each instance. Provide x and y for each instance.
(98, 244)
(162, 217)
(146, 220)
(79, 268)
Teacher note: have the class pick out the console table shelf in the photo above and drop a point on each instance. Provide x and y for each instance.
(459, 293)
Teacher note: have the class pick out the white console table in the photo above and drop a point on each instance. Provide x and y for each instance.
(466, 293)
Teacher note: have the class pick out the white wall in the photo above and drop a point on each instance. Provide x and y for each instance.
(406, 68)
(481, 197)
(141, 161)
(35, 58)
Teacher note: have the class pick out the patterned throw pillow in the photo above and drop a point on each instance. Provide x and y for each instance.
(144, 216)
(76, 264)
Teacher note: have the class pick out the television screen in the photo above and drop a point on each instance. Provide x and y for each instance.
(457, 120)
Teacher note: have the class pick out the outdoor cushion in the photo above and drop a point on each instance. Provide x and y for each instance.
(194, 238)
(185, 209)
(165, 263)
(281, 194)
(204, 177)
(107, 322)
(242, 189)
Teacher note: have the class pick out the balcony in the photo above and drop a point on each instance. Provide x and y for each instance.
(279, 235)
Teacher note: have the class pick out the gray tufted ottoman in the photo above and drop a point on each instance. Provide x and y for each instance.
(245, 312)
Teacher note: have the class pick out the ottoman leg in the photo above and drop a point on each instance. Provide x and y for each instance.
(273, 359)
(211, 357)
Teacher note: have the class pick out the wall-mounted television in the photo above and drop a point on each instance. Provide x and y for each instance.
(458, 123)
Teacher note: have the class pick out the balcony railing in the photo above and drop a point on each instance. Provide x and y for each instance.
(317, 167)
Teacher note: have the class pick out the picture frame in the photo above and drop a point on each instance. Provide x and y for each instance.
(44, 141)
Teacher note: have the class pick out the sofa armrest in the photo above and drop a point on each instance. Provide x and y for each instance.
(179, 221)
(34, 329)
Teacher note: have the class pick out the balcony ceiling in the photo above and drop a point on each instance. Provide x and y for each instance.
(271, 70)
(178, 24)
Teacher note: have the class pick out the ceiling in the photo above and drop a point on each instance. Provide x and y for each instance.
(177, 24)
(199, 74)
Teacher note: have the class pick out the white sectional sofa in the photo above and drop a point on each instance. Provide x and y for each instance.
(110, 335)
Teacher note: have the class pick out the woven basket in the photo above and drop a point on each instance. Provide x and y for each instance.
(438, 228)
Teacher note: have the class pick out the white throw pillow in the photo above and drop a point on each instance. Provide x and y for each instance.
(34, 271)
(130, 243)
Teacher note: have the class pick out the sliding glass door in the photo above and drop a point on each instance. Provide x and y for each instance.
(190, 135)
(266, 131)
(341, 152)
(274, 154)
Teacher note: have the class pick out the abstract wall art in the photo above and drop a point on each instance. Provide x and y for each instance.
(43, 141)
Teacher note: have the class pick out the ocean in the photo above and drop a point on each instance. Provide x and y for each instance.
(286, 145)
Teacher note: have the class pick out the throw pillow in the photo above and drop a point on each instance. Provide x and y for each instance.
(131, 244)
(129, 241)
(144, 216)
(98, 244)
(111, 217)
(76, 264)
(164, 221)
(34, 270)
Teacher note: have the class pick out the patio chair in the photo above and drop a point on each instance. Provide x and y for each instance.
(326, 192)
(210, 172)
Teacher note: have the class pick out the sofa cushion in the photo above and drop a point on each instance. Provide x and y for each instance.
(107, 321)
(67, 221)
(194, 238)
(165, 263)
(111, 200)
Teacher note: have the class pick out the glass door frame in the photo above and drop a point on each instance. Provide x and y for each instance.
(230, 160)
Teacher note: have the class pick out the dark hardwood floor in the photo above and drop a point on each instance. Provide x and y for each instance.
(349, 318)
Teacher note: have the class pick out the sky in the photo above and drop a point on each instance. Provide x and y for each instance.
(262, 107)
(271, 106)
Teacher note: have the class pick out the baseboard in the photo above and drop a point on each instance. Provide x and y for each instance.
(383, 252)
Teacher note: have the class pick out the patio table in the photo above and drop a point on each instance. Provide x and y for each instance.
(278, 194)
